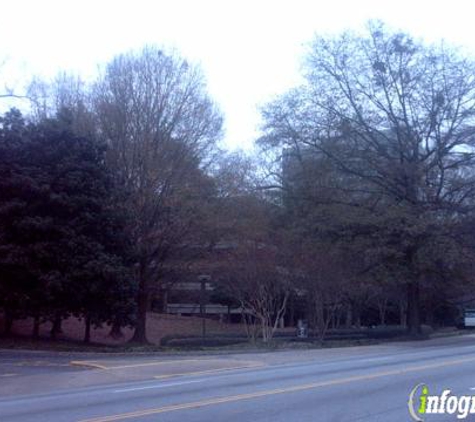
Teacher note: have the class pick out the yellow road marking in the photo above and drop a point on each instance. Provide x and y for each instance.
(209, 371)
(303, 387)
(93, 364)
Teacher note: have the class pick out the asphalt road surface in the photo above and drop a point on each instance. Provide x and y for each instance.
(350, 384)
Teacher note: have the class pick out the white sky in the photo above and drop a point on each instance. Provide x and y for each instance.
(249, 50)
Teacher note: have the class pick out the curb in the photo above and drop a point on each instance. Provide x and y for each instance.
(86, 364)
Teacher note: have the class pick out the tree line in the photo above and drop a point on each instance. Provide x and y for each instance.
(132, 148)
(378, 154)
(363, 189)
(63, 248)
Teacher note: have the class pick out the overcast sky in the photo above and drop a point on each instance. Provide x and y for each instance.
(250, 50)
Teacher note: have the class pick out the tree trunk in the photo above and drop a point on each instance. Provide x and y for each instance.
(140, 333)
(402, 313)
(429, 312)
(165, 301)
(56, 328)
(116, 331)
(36, 326)
(322, 322)
(413, 310)
(292, 312)
(338, 318)
(349, 316)
(357, 316)
(8, 322)
(250, 323)
(87, 331)
(382, 307)
(264, 330)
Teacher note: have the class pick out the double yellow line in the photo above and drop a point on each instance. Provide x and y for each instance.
(297, 388)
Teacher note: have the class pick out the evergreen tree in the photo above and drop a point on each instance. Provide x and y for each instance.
(63, 248)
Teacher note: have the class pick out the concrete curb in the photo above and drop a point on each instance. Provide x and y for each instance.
(86, 364)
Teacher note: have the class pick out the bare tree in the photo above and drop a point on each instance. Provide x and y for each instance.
(396, 120)
(322, 279)
(8, 90)
(262, 288)
(66, 91)
(161, 126)
(252, 270)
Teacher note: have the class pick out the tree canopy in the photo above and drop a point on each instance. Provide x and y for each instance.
(63, 249)
(393, 119)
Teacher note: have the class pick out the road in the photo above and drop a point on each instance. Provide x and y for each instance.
(348, 384)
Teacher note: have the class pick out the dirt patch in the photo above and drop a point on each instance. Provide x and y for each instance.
(158, 326)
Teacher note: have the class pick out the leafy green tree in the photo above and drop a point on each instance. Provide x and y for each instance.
(63, 248)
(161, 129)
